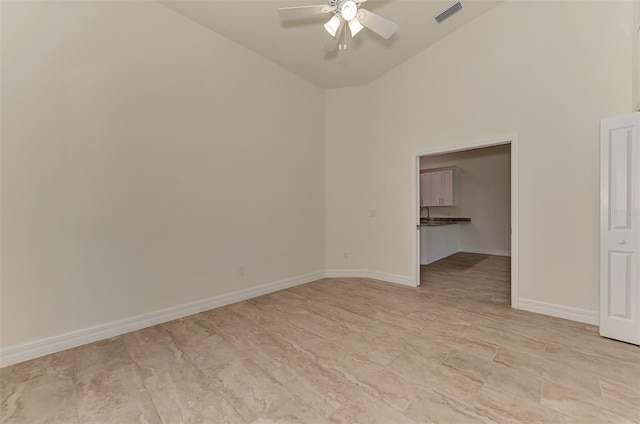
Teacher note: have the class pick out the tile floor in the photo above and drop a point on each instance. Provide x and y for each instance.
(344, 350)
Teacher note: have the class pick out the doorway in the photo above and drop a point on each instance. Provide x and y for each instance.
(465, 150)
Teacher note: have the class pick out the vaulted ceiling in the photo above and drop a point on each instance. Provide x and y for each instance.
(297, 45)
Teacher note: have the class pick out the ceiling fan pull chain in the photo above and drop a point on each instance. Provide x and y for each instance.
(344, 37)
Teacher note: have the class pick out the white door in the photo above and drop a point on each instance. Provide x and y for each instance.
(620, 228)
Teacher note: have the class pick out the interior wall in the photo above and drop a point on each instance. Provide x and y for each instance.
(144, 160)
(483, 187)
(548, 71)
(636, 59)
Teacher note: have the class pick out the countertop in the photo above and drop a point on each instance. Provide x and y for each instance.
(437, 222)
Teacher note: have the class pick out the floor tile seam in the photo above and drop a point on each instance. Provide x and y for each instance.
(144, 384)
(550, 408)
(450, 396)
(493, 359)
(75, 387)
(509, 346)
(502, 345)
(368, 389)
(549, 376)
(597, 368)
(352, 380)
(43, 418)
(591, 371)
(286, 341)
(7, 401)
(380, 291)
(291, 346)
(527, 375)
(288, 393)
(373, 306)
(635, 390)
(593, 397)
(328, 302)
(283, 316)
(299, 398)
(338, 321)
(391, 325)
(533, 405)
(621, 363)
(493, 368)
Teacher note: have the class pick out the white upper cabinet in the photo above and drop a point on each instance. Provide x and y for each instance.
(437, 187)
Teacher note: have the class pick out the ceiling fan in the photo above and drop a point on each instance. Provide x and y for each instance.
(346, 13)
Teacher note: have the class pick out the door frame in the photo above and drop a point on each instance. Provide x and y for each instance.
(415, 207)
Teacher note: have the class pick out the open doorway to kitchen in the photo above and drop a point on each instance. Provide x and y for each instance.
(466, 219)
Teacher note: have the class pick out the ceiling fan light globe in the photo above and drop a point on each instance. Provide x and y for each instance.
(355, 27)
(348, 10)
(333, 25)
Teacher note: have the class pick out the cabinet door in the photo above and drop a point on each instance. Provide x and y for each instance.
(424, 260)
(447, 188)
(435, 197)
(425, 188)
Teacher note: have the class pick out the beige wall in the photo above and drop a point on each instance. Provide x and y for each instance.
(483, 187)
(144, 159)
(548, 71)
(636, 58)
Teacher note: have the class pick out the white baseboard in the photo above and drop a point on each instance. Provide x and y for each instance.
(368, 273)
(30, 350)
(345, 273)
(560, 311)
(482, 251)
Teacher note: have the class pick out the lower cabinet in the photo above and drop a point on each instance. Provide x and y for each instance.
(438, 242)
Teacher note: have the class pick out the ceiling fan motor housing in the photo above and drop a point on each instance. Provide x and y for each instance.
(348, 10)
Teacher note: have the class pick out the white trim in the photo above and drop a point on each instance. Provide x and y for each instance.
(368, 273)
(560, 311)
(345, 273)
(483, 251)
(415, 219)
(30, 350)
(513, 141)
(515, 225)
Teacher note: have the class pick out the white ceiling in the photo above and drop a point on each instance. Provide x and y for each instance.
(297, 45)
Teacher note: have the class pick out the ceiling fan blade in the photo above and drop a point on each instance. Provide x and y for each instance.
(304, 11)
(376, 23)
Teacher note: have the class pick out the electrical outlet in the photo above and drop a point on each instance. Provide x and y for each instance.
(345, 255)
(241, 271)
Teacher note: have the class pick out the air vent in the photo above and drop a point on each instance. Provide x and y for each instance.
(450, 11)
